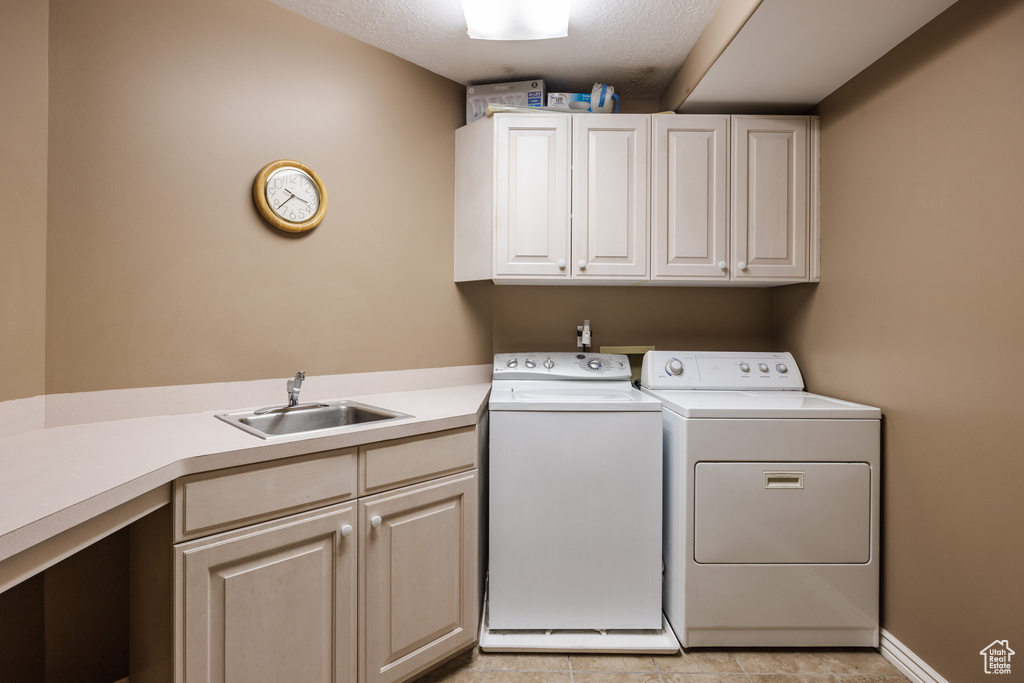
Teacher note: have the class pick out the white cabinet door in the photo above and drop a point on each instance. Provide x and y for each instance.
(532, 196)
(770, 211)
(418, 577)
(271, 602)
(689, 191)
(609, 196)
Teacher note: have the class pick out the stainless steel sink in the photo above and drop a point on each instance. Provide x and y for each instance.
(302, 419)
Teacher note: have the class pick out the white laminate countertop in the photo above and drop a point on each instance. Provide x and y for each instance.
(54, 479)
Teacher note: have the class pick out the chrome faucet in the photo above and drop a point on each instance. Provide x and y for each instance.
(293, 388)
(293, 398)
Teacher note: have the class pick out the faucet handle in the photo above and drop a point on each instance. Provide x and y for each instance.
(300, 375)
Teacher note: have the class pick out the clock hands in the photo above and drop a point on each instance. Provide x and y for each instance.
(292, 196)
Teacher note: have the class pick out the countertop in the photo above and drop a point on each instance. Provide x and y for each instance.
(52, 480)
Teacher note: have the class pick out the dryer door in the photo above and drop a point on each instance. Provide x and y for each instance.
(782, 513)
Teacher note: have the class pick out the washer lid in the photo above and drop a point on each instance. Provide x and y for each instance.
(762, 404)
(569, 396)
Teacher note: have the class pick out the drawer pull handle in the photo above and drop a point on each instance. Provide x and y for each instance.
(346, 530)
(783, 480)
(375, 521)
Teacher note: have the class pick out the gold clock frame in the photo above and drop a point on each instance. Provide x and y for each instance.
(259, 196)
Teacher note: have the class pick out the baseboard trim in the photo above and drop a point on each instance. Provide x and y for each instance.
(912, 666)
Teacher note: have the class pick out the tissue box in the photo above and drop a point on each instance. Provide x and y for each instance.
(569, 101)
(521, 93)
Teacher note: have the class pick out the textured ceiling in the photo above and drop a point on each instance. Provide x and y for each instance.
(634, 45)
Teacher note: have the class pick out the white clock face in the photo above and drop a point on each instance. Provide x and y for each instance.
(292, 195)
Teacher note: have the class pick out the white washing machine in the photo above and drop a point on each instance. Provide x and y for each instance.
(771, 504)
(575, 509)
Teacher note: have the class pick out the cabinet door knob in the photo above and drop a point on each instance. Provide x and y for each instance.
(346, 530)
(561, 264)
(742, 265)
(721, 265)
(375, 521)
(582, 264)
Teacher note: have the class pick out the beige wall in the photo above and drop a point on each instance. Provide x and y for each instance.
(159, 269)
(23, 72)
(545, 318)
(919, 312)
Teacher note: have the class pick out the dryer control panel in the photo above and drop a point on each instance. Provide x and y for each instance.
(720, 370)
(559, 365)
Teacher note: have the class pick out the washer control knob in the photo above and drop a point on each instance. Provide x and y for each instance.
(744, 367)
(512, 362)
(548, 363)
(781, 367)
(594, 364)
(674, 367)
(530, 363)
(763, 367)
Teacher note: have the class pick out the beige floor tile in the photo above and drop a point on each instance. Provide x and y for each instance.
(446, 675)
(633, 663)
(696, 661)
(792, 678)
(511, 661)
(704, 678)
(615, 677)
(473, 659)
(527, 677)
(780, 662)
(853, 662)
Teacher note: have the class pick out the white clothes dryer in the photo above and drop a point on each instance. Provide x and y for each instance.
(771, 504)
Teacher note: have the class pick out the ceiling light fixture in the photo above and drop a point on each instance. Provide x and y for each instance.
(516, 19)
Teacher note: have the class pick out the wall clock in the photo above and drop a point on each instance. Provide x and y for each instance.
(290, 196)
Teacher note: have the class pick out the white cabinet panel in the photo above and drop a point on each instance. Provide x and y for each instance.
(689, 190)
(609, 199)
(532, 196)
(770, 210)
(271, 602)
(418, 578)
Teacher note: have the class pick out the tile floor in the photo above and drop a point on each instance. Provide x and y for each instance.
(694, 666)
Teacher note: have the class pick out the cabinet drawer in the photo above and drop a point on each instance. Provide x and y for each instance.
(389, 464)
(212, 502)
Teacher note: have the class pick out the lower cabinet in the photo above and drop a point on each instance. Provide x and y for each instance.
(269, 603)
(377, 589)
(417, 577)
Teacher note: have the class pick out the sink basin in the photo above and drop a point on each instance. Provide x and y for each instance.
(313, 417)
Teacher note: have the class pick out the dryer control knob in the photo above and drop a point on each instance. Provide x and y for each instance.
(512, 362)
(548, 363)
(594, 364)
(744, 367)
(763, 367)
(530, 363)
(674, 367)
(781, 367)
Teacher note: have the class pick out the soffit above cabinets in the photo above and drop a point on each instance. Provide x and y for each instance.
(791, 54)
(635, 47)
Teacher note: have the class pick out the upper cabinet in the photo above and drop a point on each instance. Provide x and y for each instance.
(553, 198)
(637, 199)
(689, 199)
(771, 216)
